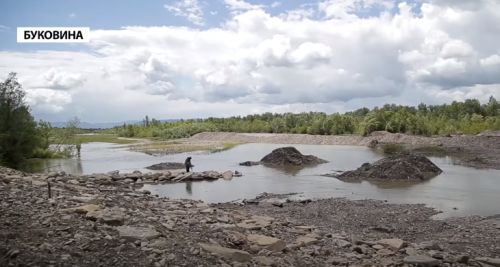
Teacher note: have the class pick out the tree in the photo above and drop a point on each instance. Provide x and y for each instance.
(18, 129)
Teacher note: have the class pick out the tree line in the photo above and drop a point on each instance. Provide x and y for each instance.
(467, 117)
(22, 137)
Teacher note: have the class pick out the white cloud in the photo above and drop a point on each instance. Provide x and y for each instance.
(258, 62)
(4, 28)
(239, 6)
(190, 9)
(72, 15)
(276, 4)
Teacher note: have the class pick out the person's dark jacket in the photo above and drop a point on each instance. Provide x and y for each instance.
(187, 163)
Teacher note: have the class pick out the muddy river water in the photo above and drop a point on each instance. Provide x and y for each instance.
(458, 191)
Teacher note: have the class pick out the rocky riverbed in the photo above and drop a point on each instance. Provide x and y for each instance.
(111, 224)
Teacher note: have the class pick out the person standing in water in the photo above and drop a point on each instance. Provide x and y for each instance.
(188, 164)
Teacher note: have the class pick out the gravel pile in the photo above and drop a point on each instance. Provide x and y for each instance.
(399, 167)
(290, 156)
(166, 166)
(92, 224)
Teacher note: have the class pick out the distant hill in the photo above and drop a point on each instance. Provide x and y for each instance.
(87, 125)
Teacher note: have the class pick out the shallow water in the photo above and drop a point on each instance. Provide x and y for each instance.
(470, 191)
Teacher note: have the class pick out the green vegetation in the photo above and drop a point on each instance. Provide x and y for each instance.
(469, 117)
(175, 147)
(22, 137)
(104, 138)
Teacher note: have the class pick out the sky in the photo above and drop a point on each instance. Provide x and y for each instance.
(198, 59)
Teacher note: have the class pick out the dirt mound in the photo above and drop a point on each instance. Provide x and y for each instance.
(166, 166)
(290, 156)
(400, 167)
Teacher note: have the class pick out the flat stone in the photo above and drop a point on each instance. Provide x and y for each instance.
(264, 261)
(305, 227)
(113, 217)
(489, 261)
(85, 200)
(82, 209)
(228, 254)
(271, 243)
(421, 260)
(385, 252)
(337, 261)
(130, 233)
(342, 243)
(394, 244)
(305, 241)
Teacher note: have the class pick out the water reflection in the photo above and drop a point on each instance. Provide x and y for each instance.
(469, 190)
(292, 170)
(189, 189)
(42, 165)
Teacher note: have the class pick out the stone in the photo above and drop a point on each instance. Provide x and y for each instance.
(385, 252)
(342, 243)
(85, 200)
(131, 233)
(462, 259)
(430, 246)
(394, 244)
(305, 241)
(82, 209)
(337, 261)
(114, 217)
(264, 261)
(422, 260)
(228, 175)
(236, 238)
(489, 261)
(271, 243)
(228, 254)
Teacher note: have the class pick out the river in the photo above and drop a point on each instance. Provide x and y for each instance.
(458, 191)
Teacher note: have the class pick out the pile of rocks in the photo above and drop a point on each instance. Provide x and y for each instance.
(115, 178)
(286, 156)
(166, 166)
(98, 225)
(400, 167)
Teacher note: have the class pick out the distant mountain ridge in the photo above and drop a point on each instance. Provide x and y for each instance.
(88, 125)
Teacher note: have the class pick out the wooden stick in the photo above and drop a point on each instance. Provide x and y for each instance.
(48, 189)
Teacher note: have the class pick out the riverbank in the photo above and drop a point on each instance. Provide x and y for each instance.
(472, 151)
(93, 224)
(181, 146)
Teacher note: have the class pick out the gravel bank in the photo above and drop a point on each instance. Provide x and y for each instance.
(473, 151)
(97, 224)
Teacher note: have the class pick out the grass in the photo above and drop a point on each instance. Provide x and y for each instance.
(225, 146)
(104, 138)
(176, 147)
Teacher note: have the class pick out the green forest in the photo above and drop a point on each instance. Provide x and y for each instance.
(468, 117)
(22, 137)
